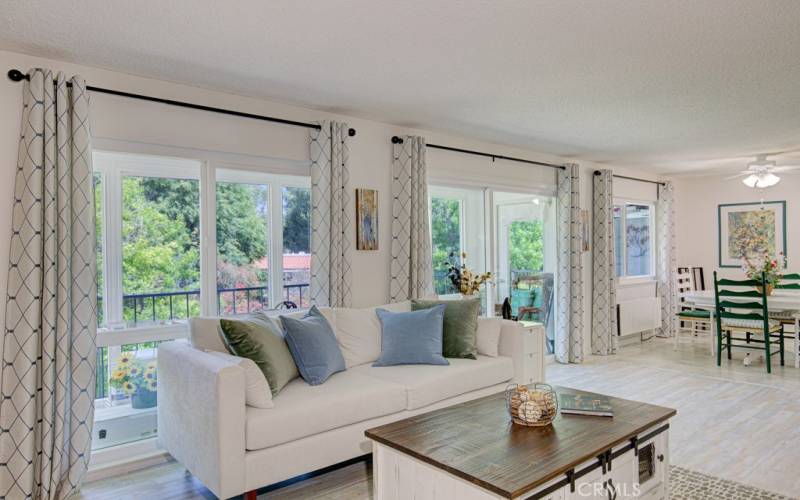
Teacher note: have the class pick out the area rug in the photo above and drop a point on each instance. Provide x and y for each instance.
(685, 484)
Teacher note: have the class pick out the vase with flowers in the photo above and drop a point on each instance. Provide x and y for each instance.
(463, 279)
(136, 378)
(764, 266)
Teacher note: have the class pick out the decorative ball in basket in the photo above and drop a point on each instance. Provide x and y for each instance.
(534, 405)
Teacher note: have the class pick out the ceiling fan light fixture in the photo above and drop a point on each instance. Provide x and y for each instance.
(750, 181)
(768, 179)
(761, 180)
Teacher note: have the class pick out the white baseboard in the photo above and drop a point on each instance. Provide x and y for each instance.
(126, 458)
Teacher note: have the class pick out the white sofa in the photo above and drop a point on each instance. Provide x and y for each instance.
(233, 448)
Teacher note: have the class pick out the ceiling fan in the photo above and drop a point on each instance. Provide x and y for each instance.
(761, 172)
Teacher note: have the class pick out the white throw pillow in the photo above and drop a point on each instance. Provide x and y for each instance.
(358, 332)
(256, 392)
(488, 340)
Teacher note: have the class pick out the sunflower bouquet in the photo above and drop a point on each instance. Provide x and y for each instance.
(136, 378)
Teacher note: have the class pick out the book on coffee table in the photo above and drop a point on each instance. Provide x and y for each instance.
(586, 404)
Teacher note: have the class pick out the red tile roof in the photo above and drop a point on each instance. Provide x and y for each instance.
(290, 261)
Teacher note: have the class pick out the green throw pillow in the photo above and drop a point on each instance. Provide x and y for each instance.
(256, 337)
(460, 325)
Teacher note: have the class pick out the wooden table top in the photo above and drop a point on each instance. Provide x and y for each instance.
(477, 441)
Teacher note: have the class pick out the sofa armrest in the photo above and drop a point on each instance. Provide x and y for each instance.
(525, 346)
(201, 415)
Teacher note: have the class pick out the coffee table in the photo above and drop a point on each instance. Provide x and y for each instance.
(472, 450)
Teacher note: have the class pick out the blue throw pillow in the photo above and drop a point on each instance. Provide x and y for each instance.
(313, 346)
(412, 338)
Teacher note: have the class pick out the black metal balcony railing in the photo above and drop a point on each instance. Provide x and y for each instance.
(168, 306)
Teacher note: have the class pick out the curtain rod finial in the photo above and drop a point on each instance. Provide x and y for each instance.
(396, 140)
(15, 75)
(351, 132)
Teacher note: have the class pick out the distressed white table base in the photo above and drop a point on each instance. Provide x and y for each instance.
(398, 476)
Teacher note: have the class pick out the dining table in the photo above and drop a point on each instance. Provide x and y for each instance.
(778, 301)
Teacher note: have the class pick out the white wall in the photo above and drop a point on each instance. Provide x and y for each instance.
(696, 204)
(121, 119)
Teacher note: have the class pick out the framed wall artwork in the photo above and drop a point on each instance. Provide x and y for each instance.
(366, 219)
(756, 228)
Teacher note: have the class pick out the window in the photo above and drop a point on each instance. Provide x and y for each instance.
(633, 242)
(446, 240)
(457, 222)
(525, 257)
(296, 204)
(242, 247)
(169, 249)
(520, 229)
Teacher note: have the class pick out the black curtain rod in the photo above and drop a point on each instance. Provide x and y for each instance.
(16, 75)
(398, 140)
(597, 172)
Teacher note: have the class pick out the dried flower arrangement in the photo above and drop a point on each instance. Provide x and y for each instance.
(464, 280)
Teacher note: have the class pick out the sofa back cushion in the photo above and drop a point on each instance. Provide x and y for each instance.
(358, 332)
(411, 338)
(488, 337)
(204, 334)
(313, 346)
(460, 325)
(255, 337)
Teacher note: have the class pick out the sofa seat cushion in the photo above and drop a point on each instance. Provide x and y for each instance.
(428, 384)
(303, 410)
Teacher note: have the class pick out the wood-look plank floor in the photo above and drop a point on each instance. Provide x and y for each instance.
(735, 422)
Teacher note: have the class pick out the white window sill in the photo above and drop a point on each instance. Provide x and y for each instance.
(109, 337)
(637, 281)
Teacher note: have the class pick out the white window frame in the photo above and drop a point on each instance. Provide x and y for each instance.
(113, 165)
(191, 163)
(275, 184)
(624, 279)
(456, 192)
(466, 213)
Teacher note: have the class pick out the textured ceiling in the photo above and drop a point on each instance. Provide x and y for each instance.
(666, 85)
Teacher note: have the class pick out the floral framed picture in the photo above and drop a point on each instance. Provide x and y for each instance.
(750, 229)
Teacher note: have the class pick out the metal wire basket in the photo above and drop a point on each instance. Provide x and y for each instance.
(534, 405)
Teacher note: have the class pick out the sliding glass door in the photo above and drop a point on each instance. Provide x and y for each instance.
(525, 255)
(511, 234)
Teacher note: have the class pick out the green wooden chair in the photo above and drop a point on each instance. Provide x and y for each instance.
(790, 317)
(743, 309)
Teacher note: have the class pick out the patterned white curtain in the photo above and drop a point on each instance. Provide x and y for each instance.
(412, 273)
(667, 259)
(604, 282)
(49, 347)
(331, 235)
(569, 319)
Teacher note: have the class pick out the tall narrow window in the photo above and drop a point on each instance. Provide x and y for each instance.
(296, 205)
(148, 278)
(633, 243)
(160, 249)
(446, 239)
(242, 247)
(99, 239)
(526, 260)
